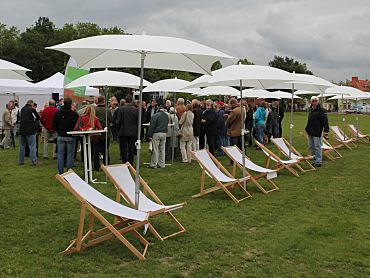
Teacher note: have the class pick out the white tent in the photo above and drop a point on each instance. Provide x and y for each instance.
(56, 82)
(24, 90)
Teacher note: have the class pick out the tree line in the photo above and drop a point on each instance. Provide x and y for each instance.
(28, 49)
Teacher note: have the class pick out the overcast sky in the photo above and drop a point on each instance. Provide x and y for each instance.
(330, 36)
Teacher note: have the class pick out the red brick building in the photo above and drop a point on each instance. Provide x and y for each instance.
(363, 85)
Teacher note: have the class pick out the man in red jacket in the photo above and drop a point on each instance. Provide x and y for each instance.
(49, 132)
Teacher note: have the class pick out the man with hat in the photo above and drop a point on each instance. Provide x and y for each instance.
(157, 134)
(317, 121)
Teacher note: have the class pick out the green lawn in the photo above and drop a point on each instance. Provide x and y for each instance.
(314, 226)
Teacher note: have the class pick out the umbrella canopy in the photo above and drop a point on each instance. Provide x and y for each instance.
(10, 70)
(258, 77)
(258, 93)
(171, 85)
(282, 94)
(108, 78)
(114, 51)
(307, 82)
(108, 51)
(344, 90)
(220, 90)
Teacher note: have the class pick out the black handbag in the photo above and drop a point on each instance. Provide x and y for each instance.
(79, 125)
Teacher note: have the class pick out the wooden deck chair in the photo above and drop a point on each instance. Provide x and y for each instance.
(212, 167)
(340, 137)
(358, 135)
(122, 179)
(283, 146)
(235, 155)
(280, 163)
(91, 199)
(326, 148)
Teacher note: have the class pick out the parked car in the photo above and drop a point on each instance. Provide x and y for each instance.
(353, 110)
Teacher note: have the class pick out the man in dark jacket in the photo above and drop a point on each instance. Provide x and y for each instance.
(317, 121)
(157, 134)
(210, 126)
(65, 120)
(221, 127)
(127, 123)
(101, 112)
(197, 123)
(280, 111)
(27, 132)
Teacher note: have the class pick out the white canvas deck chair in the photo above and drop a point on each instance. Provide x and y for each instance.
(326, 148)
(235, 155)
(340, 138)
(283, 146)
(122, 179)
(91, 199)
(358, 135)
(280, 163)
(212, 167)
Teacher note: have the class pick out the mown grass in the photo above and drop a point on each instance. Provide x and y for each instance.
(316, 225)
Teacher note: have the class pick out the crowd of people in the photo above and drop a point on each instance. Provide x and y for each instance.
(185, 126)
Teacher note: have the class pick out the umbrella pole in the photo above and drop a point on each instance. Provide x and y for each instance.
(138, 142)
(242, 132)
(291, 123)
(106, 126)
(356, 117)
(173, 130)
(344, 131)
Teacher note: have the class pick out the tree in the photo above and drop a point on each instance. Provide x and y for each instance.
(244, 62)
(288, 64)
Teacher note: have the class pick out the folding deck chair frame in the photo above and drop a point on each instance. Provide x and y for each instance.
(281, 164)
(326, 148)
(339, 136)
(255, 178)
(358, 135)
(219, 185)
(165, 209)
(295, 153)
(129, 223)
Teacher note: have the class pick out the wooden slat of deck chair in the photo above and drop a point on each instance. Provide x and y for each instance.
(91, 199)
(358, 135)
(122, 179)
(235, 155)
(283, 146)
(281, 164)
(326, 148)
(212, 167)
(339, 136)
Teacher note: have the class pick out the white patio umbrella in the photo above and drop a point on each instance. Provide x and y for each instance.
(9, 70)
(345, 92)
(220, 91)
(282, 94)
(258, 93)
(306, 82)
(113, 51)
(258, 77)
(108, 78)
(173, 85)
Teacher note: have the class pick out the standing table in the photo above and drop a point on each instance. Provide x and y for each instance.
(86, 136)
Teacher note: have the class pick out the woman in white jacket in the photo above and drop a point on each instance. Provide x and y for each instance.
(186, 121)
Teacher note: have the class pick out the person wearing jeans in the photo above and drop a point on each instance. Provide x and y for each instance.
(27, 132)
(65, 144)
(259, 122)
(317, 121)
(65, 120)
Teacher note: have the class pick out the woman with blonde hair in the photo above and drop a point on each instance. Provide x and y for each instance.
(88, 119)
(186, 123)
